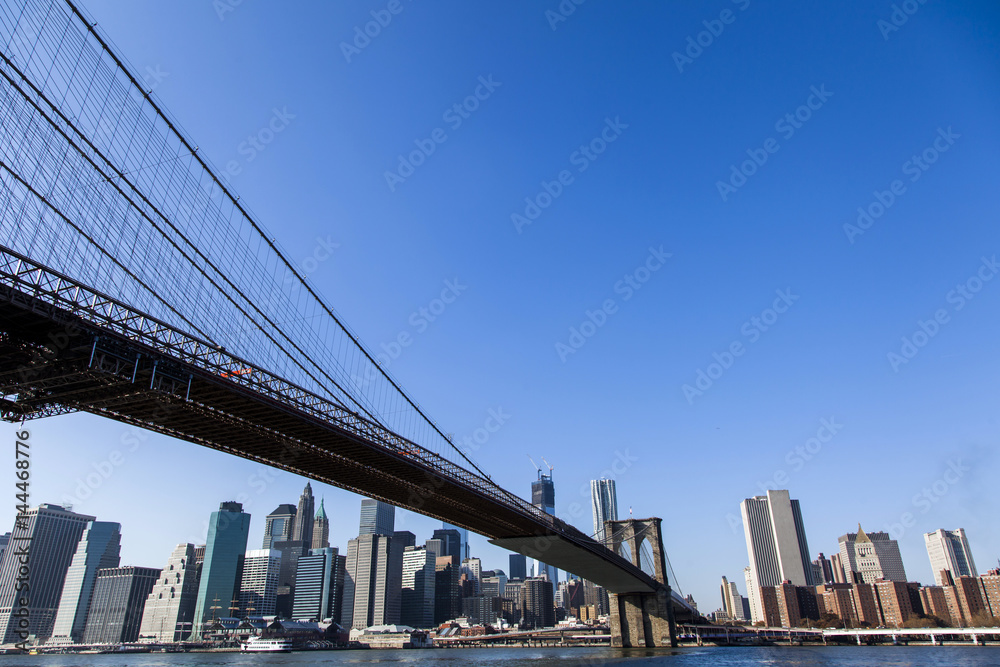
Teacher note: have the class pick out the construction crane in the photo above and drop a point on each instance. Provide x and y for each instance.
(549, 465)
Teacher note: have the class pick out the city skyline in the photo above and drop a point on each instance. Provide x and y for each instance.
(249, 593)
(819, 401)
(495, 558)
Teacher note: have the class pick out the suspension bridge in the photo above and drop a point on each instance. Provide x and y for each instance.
(136, 285)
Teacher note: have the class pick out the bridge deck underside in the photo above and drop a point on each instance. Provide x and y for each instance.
(125, 380)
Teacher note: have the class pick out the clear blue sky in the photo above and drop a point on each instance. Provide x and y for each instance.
(678, 127)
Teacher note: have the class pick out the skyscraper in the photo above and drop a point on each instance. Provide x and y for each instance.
(473, 569)
(304, 516)
(259, 583)
(377, 518)
(52, 532)
(372, 581)
(518, 566)
(167, 616)
(435, 546)
(452, 540)
(405, 538)
(870, 557)
(825, 569)
(447, 589)
(837, 565)
(321, 528)
(949, 550)
(116, 610)
(99, 547)
(538, 605)
(419, 574)
(732, 601)
(222, 571)
(278, 525)
(319, 585)
(603, 505)
(776, 544)
(290, 552)
(543, 496)
(463, 537)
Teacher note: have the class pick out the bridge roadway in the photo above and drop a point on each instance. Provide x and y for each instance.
(65, 347)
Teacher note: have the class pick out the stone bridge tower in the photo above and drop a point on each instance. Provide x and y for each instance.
(644, 619)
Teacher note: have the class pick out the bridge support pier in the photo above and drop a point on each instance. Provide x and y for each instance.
(644, 619)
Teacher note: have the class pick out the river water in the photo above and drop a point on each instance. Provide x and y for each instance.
(845, 656)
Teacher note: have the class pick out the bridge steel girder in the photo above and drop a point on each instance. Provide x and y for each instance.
(65, 347)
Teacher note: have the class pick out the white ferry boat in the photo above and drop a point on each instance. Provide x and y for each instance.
(258, 644)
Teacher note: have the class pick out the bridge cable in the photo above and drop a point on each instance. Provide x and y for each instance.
(269, 242)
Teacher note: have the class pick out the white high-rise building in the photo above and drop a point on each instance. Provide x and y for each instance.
(372, 581)
(473, 568)
(755, 611)
(949, 550)
(259, 587)
(870, 557)
(603, 505)
(732, 601)
(776, 544)
(169, 610)
(419, 565)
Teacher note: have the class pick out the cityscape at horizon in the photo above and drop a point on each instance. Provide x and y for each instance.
(768, 529)
(759, 305)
